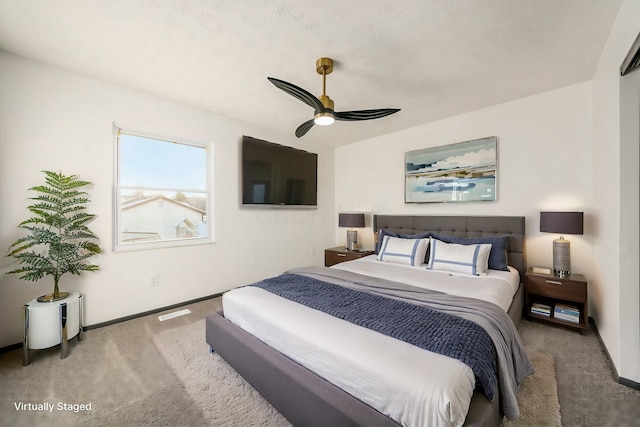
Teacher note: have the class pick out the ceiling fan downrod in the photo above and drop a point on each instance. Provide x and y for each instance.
(324, 66)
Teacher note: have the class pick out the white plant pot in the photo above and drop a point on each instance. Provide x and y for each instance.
(47, 324)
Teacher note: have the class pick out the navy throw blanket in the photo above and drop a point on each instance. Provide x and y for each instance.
(421, 326)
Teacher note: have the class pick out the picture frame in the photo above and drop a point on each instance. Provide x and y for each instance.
(460, 172)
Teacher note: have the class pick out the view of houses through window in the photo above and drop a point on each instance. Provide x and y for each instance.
(162, 191)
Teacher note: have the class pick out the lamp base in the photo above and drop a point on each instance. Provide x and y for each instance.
(352, 240)
(561, 257)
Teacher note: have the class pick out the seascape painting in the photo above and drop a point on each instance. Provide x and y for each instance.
(461, 172)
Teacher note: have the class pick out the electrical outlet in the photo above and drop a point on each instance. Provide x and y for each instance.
(154, 281)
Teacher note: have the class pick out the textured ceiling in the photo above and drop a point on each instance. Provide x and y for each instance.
(433, 59)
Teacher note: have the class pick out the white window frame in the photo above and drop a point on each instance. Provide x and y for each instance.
(117, 202)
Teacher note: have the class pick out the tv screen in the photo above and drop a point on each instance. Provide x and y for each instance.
(276, 175)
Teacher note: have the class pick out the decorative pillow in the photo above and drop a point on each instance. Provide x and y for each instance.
(382, 232)
(403, 251)
(467, 259)
(499, 244)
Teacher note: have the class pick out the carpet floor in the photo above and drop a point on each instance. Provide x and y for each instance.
(222, 395)
(225, 398)
(124, 373)
(538, 395)
(588, 392)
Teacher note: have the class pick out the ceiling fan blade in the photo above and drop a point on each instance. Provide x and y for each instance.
(304, 128)
(299, 93)
(365, 114)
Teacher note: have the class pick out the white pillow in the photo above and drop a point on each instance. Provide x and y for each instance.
(403, 251)
(467, 259)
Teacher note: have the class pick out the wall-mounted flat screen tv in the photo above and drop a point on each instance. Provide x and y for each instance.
(276, 175)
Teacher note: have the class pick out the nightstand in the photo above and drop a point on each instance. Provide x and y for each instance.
(340, 254)
(553, 292)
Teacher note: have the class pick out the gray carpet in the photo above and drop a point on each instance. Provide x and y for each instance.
(223, 395)
(587, 390)
(122, 373)
(538, 395)
(116, 368)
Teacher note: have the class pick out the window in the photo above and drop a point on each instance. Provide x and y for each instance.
(162, 192)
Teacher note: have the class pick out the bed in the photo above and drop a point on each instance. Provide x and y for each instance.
(302, 394)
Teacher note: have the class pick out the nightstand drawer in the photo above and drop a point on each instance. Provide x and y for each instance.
(340, 254)
(556, 287)
(331, 258)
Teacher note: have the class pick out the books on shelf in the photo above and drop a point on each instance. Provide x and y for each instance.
(541, 309)
(566, 312)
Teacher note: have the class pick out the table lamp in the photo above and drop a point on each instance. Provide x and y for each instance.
(561, 223)
(351, 220)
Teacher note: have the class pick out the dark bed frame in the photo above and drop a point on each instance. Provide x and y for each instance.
(306, 399)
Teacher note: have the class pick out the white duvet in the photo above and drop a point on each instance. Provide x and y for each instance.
(412, 386)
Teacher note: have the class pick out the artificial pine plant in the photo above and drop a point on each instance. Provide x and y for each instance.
(58, 239)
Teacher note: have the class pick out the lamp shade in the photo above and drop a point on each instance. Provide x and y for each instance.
(562, 222)
(354, 220)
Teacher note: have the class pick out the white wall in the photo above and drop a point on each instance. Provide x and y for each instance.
(616, 297)
(544, 163)
(55, 120)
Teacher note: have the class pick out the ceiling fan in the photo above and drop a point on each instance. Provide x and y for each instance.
(324, 113)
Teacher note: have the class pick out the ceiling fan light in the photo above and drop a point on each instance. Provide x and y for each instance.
(323, 119)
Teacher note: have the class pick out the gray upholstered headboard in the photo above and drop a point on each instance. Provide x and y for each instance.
(463, 226)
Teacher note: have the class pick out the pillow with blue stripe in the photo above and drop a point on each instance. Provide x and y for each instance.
(382, 232)
(466, 259)
(499, 244)
(403, 251)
